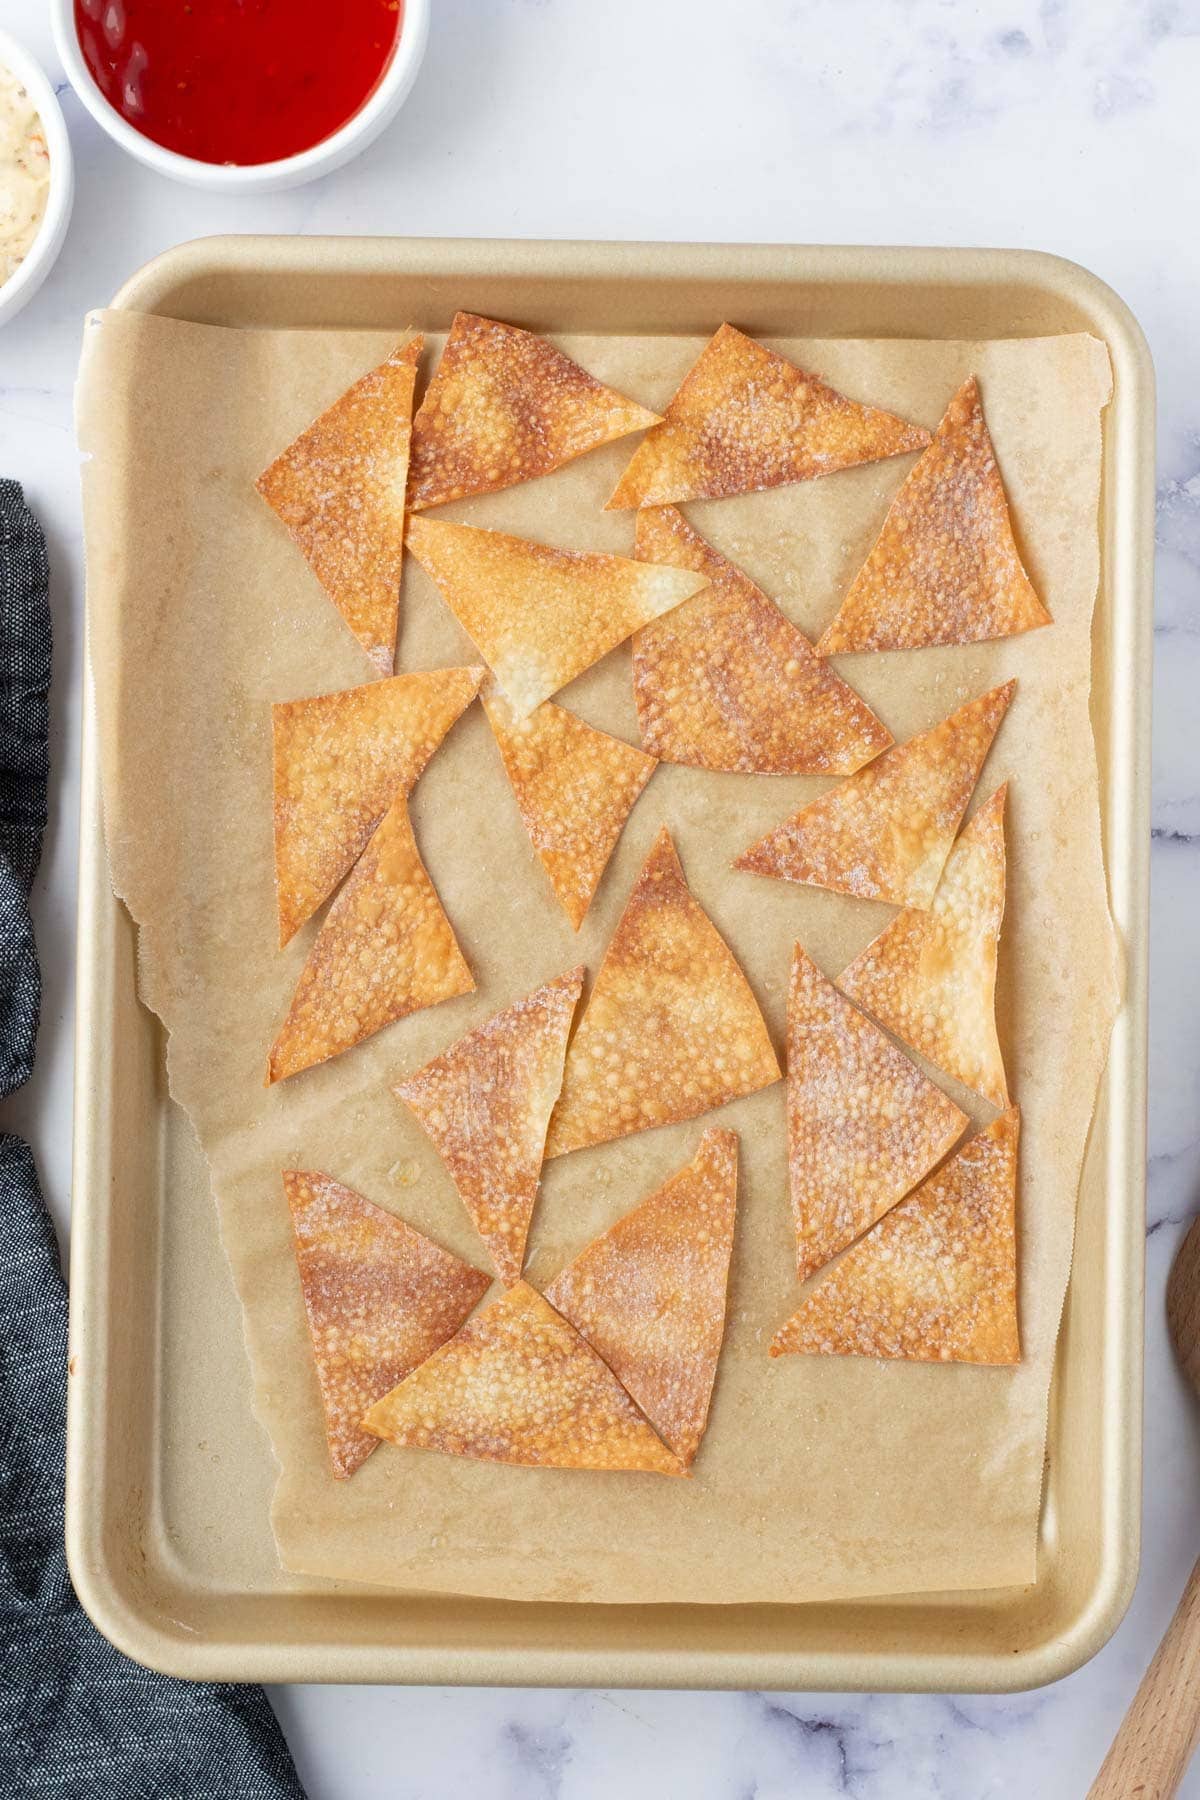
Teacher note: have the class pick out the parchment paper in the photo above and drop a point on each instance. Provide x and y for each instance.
(818, 1477)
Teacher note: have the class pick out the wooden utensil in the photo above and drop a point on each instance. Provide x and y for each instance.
(1158, 1734)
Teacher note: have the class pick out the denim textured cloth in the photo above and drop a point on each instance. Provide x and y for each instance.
(78, 1721)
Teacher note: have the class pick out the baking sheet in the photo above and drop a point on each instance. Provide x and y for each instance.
(817, 1478)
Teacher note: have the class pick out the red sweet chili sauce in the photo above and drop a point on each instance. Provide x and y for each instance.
(237, 81)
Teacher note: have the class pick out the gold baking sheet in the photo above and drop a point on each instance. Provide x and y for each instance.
(574, 1224)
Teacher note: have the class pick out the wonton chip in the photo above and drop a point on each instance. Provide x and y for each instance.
(575, 788)
(744, 418)
(864, 1124)
(339, 489)
(649, 1296)
(886, 833)
(379, 1297)
(519, 1385)
(671, 1028)
(936, 1279)
(726, 682)
(930, 977)
(485, 1103)
(386, 949)
(541, 616)
(945, 568)
(505, 406)
(340, 761)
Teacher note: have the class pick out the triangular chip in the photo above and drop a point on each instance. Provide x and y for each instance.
(339, 489)
(930, 977)
(541, 616)
(379, 1297)
(504, 406)
(386, 949)
(945, 568)
(744, 418)
(519, 1385)
(485, 1103)
(575, 787)
(340, 761)
(649, 1296)
(936, 1279)
(864, 1124)
(671, 1028)
(886, 833)
(726, 682)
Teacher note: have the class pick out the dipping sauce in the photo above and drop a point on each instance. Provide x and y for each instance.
(24, 174)
(237, 81)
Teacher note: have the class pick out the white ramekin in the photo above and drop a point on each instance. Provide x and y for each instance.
(290, 171)
(53, 229)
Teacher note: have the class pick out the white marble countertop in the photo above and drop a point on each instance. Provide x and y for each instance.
(1066, 125)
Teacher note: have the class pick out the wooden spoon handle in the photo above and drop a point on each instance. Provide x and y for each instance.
(1158, 1734)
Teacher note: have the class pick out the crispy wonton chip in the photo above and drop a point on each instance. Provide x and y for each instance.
(340, 761)
(505, 406)
(671, 1028)
(386, 949)
(574, 786)
(379, 1296)
(864, 1124)
(886, 833)
(936, 1279)
(726, 682)
(519, 1385)
(649, 1296)
(541, 616)
(744, 418)
(485, 1104)
(339, 489)
(930, 977)
(945, 568)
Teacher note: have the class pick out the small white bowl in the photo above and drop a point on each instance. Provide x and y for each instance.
(22, 286)
(254, 178)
